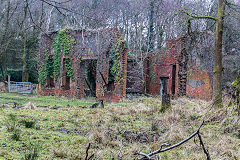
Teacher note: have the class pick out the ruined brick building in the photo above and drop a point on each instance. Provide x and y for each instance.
(76, 63)
(172, 72)
(79, 63)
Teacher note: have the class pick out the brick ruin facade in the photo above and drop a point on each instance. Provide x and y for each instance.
(91, 52)
(171, 72)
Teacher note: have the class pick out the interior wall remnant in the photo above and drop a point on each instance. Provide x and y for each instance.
(199, 83)
(79, 71)
(183, 71)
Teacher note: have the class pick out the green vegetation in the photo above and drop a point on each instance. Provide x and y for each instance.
(114, 60)
(23, 99)
(46, 69)
(64, 43)
(236, 83)
(154, 68)
(118, 130)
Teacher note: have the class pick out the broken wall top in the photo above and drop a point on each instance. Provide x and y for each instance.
(89, 44)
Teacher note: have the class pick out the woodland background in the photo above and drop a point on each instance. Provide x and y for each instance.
(145, 25)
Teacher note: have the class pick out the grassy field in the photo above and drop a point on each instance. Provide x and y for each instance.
(116, 132)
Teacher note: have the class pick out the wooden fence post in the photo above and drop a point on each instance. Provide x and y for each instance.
(166, 101)
(9, 78)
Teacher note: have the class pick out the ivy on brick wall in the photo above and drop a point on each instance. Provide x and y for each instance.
(57, 56)
(63, 43)
(114, 61)
(50, 67)
(153, 68)
(46, 69)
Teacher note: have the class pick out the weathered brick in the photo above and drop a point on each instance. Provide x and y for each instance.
(90, 45)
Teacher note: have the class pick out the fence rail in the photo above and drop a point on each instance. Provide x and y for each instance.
(20, 87)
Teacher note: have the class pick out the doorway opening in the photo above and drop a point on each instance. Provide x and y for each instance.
(65, 77)
(90, 78)
(173, 79)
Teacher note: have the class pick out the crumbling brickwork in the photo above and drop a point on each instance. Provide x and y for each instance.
(199, 83)
(165, 65)
(173, 68)
(89, 46)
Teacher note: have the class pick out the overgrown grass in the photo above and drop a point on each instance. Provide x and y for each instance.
(116, 131)
(23, 99)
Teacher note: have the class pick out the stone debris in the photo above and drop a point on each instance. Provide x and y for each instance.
(30, 105)
(3, 87)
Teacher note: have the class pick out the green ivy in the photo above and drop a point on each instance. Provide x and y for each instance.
(125, 44)
(42, 74)
(51, 67)
(45, 69)
(153, 68)
(57, 56)
(236, 84)
(114, 61)
(63, 42)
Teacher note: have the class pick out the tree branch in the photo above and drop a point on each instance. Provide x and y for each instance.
(231, 4)
(57, 7)
(171, 147)
(144, 154)
(199, 17)
(88, 147)
(66, 9)
(31, 17)
(102, 77)
(203, 147)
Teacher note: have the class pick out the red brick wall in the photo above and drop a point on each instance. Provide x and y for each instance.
(118, 90)
(198, 80)
(89, 50)
(58, 92)
(199, 83)
(164, 65)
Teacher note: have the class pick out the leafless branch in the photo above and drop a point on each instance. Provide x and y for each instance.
(144, 154)
(31, 17)
(66, 9)
(57, 7)
(88, 147)
(148, 156)
(231, 4)
(61, 2)
(103, 77)
(203, 147)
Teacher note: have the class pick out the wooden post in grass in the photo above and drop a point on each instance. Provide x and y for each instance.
(165, 96)
(166, 103)
(9, 78)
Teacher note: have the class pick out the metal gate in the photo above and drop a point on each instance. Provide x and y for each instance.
(20, 87)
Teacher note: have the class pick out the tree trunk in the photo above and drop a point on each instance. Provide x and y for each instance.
(5, 40)
(151, 28)
(24, 61)
(218, 68)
